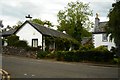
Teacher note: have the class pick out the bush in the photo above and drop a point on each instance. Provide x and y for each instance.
(20, 44)
(59, 55)
(91, 55)
(51, 55)
(11, 40)
(101, 48)
(87, 47)
(100, 54)
(41, 54)
(116, 60)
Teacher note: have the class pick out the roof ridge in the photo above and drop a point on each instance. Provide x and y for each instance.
(46, 27)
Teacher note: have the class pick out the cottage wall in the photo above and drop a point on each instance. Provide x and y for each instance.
(27, 33)
(98, 41)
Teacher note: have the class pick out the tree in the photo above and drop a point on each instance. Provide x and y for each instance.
(38, 21)
(43, 23)
(114, 24)
(48, 23)
(75, 19)
(19, 23)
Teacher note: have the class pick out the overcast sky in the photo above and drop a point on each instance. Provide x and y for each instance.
(12, 11)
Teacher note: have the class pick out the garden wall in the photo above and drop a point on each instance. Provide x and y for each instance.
(18, 51)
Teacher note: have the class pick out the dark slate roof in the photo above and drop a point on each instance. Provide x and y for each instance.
(8, 33)
(100, 28)
(42, 29)
(86, 40)
(48, 31)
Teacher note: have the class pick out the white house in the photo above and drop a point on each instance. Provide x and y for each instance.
(35, 34)
(100, 37)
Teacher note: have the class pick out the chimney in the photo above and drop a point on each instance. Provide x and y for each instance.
(28, 17)
(96, 22)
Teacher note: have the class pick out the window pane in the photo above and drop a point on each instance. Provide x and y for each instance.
(104, 37)
(35, 42)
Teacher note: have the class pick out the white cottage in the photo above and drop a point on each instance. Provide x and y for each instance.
(100, 37)
(35, 34)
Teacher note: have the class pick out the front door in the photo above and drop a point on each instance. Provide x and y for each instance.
(34, 42)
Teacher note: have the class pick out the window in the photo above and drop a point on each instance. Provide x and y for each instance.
(104, 37)
(34, 42)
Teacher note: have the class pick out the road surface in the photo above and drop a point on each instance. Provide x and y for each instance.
(20, 67)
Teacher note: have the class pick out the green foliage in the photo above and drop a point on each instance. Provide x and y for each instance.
(43, 23)
(11, 40)
(95, 55)
(116, 60)
(85, 33)
(39, 21)
(42, 54)
(21, 43)
(91, 55)
(65, 43)
(74, 19)
(86, 47)
(101, 48)
(48, 23)
(51, 55)
(19, 23)
(113, 27)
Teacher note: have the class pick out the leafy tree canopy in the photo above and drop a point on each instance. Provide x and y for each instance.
(74, 19)
(19, 23)
(43, 23)
(114, 24)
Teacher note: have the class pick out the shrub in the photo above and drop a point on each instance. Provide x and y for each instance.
(51, 55)
(87, 47)
(116, 60)
(20, 44)
(101, 48)
(41, 54)
(91, 55)
(59, 55)
(11, 40)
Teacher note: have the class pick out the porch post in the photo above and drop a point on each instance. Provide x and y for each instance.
(44, 43)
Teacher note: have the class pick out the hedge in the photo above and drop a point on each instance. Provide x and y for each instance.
(91, 55)
(41, 54)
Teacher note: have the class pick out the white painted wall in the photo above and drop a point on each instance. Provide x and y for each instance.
(97, 41)
(27, 32)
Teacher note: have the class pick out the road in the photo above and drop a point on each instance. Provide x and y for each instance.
(20, 67)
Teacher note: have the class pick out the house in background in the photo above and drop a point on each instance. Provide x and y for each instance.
(35, 34)
(100, 37)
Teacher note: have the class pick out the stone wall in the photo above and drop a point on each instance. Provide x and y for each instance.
(18, 52)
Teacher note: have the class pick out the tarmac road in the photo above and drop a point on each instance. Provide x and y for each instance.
(21, 67)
